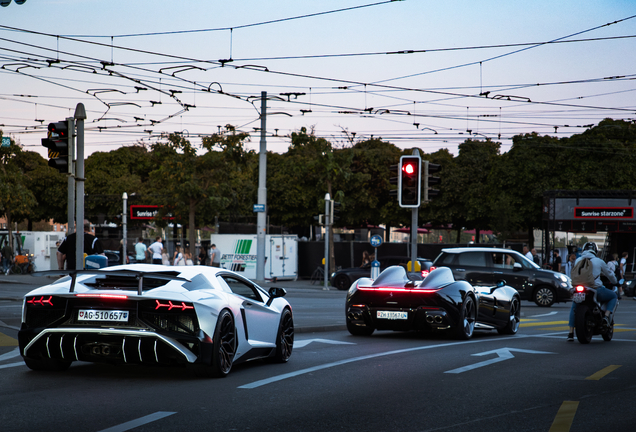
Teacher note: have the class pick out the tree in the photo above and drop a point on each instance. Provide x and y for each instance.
(16, 200)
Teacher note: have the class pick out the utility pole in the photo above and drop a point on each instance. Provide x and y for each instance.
(261, 219)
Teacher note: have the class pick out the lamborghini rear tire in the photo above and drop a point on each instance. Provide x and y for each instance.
(284, 338)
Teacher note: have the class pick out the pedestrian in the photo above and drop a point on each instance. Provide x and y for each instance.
(188, 258)
(140, 251)
(569, 264)
(66, 252)
(556, 261)
(623, 270)
(365, 258)
(215, 256)
(165, 259)
(535, 257)
(203, 256)
(178, 258)
(156, 249)
(7, 257)
(527, 253)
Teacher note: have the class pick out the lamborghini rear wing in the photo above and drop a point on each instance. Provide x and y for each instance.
(139, 275)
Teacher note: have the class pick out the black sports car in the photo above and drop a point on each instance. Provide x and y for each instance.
(343, 278)
(439, 302)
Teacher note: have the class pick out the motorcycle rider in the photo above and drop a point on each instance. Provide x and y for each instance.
(604, 295)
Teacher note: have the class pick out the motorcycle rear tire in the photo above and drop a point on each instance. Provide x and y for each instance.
(584, 324)
(609, 333)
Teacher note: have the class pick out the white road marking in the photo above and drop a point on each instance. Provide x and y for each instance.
(305, 342)
(544, 315)
(273, 379)
(10, 354)
(502, 354)
(12, 365)
(139, 422)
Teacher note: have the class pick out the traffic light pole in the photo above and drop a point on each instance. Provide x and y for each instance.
(327, 226)
(414, 215)
(80, 116)
(71, 177)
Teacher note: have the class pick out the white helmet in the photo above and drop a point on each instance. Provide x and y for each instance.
(591, 246)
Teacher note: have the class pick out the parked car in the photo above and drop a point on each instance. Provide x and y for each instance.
(486, 266)
(343, 278)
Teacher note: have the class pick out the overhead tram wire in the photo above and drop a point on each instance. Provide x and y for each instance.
(343, 81)
(242, 26)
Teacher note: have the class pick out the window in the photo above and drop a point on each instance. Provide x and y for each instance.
(240, 287)
(474, 259)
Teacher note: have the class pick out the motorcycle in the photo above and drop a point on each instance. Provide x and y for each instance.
(588, 319)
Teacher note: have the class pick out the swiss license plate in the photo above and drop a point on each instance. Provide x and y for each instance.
(393, 315)
(102, 315)
(578, 297)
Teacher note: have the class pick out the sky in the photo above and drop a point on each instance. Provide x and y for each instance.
(417, 73)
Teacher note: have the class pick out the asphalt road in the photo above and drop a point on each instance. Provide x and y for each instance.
(533, 381)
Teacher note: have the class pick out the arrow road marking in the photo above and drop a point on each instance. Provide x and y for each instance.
(304, 343)
(502, 354)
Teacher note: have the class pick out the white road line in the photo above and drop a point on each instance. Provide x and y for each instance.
(273, 379)
(10, 354)
(544, 315)
(139, 422)
(12, 365)
(305, 342)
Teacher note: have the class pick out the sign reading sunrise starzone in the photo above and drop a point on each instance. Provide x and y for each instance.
(603, 212)
(145, 212)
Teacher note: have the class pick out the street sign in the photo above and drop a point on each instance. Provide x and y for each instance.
(259, 208)
(376, 241)
(6, 141)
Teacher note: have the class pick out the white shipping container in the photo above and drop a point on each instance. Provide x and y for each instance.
(239, 253)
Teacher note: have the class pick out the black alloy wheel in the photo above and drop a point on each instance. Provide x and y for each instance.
(46, 364)
(544, 296)
(342, 282)
(285, 337)
(514, 319)
(584, 324)
(224, 348)
(466, 325)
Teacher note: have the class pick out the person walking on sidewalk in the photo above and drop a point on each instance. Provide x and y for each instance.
(156, 249)
(215, 256)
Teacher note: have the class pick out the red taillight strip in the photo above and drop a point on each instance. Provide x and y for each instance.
(104, 296)
(171, 305)
(408, 290)
(41, 301)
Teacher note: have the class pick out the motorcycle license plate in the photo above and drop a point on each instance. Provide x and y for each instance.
(578, 297)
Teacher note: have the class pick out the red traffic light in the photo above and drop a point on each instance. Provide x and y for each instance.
(59, 128)
(408, 168)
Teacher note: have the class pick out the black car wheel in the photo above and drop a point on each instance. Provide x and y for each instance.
(47, 364)
(342, 282)
(224, 348)
(514, 318)
(466, 325)
(357, 330)
(544, 296)
(285, 337)
(584, 322)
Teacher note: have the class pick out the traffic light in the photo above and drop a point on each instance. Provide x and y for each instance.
(431, 180)
(59, 141)
(335, 211)
(409, 181)
(395, 179)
